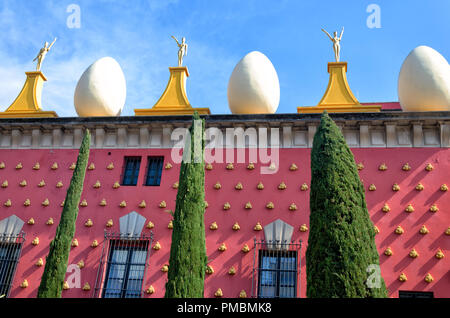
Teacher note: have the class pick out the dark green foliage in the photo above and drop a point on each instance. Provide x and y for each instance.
(188, 258)
(341, 243)
(57, 260)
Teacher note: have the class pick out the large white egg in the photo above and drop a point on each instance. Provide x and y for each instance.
(424, 81)
(253, 87)
(101, 90)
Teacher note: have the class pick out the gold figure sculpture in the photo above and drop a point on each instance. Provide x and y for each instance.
(42, 53)
(336, 43)
(182, 49)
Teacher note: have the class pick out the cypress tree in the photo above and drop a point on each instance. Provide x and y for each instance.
(187, 263)
(341, 243)
(57, 259)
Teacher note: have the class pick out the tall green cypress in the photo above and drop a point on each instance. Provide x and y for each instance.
(57, 260)
(341, 258)
(188, 258)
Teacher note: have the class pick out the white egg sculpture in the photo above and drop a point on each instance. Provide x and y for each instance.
(253, 87)
(424, 81)
(101, 90)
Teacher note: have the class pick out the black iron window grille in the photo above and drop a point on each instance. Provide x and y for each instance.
(10, 250)
(154, 170)
(131, 171)
(276, 269)
(123, 266)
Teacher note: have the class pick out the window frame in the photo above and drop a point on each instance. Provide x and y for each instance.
(131, 246)
(292, 257)
(159, 170)
(13, 244)
(135, 171)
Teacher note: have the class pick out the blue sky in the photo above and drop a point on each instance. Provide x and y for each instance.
(219, 33)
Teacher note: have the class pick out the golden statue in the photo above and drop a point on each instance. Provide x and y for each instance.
(182, 51)
(336, 45)
(42, 53)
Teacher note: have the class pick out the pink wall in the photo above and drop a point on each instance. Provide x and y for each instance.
(391, 267)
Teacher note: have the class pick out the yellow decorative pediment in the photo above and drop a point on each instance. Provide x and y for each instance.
(338, 97)
(28, 102)
(174, 100)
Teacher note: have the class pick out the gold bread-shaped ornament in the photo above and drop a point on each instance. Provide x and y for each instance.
(123, 204)
(116, 185)
(386, 208)
(40, 262)
(222, 247)
(41, 184)
(72, 166)
(80, 264)
(66, 285)
(94, 243)
(170, 225)
(86, 287)
(413, 253)
(293, 207)
(303, 228)
(395, 187)
(227, 206)
(49, 221)
(439, 254)
(444, 188)
(429, 278)
(258, 227)
(162, 204)
(59, 184)
(232, 270)
(110, 166)
(5, 184)
(74, 242)
(239, 186)
(270, 205)
(35, 241)
(429, 167)
(54, 166)
(168, 166)
(248, 205)
(27, 202)
(23, 183)
(88, 223)
(382, 167)
(157, 246)
(103, 202)
(293, 167)
(409, 208)
(2, 165)
(84, 203)
(399, 230)
(46, 202)
(165, 268)
(213, 226)
(24, 284)
(217, 186)
(150, 290)
(242, 294)
(251, 166)
(209, 269)
(434, 208)
(175, 185)
(372, 187)
(420, 187)
(19, 166)
(143, 204)
(91, 166)
(282, 186)
(218, 293)
(423, 230)
(236, 227)
(388, 252)
(36, 166)
(260, 186)
(230, 166)
(209, 166)
(109, 223)
(97, 185)
(406, 167)
(402, 277)
(30, 221)
(150, 225)
(8, 203)
(304, 187)
(245, 248)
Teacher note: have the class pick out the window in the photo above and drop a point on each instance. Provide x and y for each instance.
(414, 294)
(125, 268)
(277, 274)
(131, 171)
(10, 248)
(154, 171)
